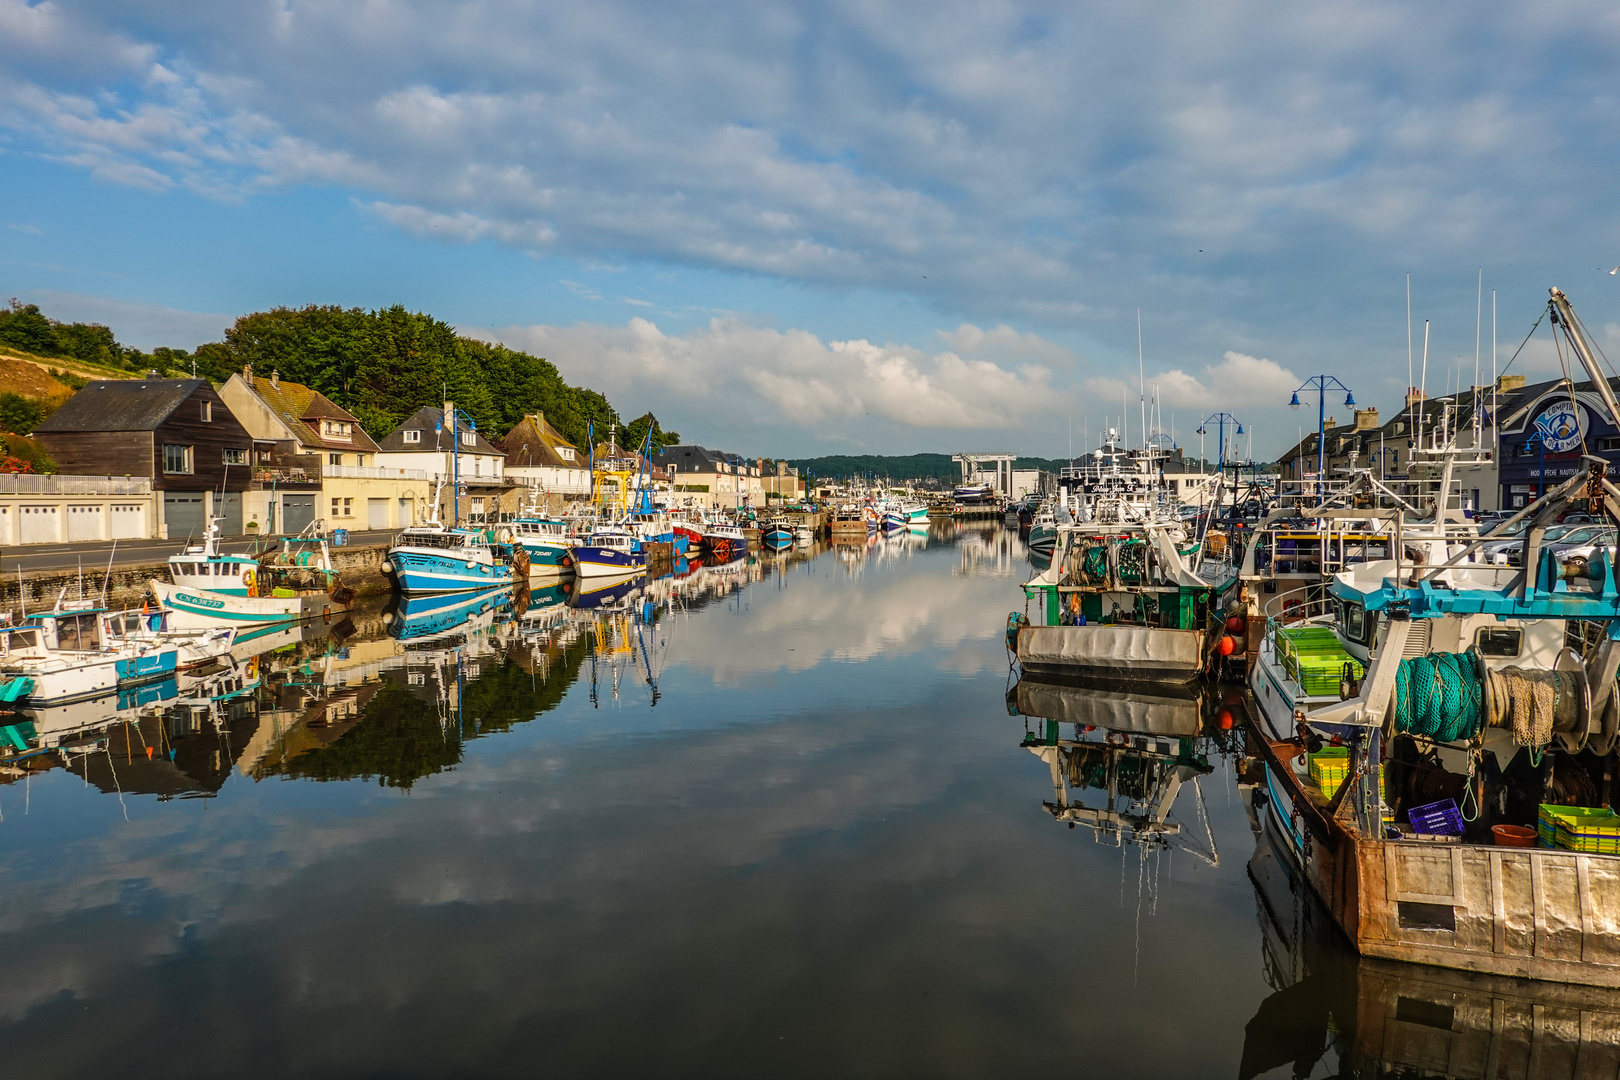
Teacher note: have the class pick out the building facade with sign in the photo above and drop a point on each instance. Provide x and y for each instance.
(1545, 430)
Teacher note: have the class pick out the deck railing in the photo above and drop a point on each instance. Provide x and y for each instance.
(31, 484)
(373, 472)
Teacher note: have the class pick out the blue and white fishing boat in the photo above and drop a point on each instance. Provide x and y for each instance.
(610, 551)
(777, 535)
(433, 559)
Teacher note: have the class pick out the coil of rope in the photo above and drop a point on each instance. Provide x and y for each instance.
(1534, 703)
(1439, 696)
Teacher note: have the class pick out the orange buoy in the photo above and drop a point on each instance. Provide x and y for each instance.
(1235, 624)
(1224, 718)
(1226, 646)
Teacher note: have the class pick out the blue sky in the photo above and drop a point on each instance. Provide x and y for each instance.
(807, 228)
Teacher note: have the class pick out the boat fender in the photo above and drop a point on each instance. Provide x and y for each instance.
(469, 564)
(387, 567)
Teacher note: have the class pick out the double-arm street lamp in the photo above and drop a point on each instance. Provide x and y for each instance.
(1322, 384)
(1221, 419)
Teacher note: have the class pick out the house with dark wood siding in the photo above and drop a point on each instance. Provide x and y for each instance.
(178, 432)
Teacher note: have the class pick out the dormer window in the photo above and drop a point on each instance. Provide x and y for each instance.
(469, 438)
(566, 453)
(336, 429)
(411, 435)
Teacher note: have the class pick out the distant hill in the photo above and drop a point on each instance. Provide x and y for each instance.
(907, 467)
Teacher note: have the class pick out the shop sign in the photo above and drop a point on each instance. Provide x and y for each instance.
(1562, 427)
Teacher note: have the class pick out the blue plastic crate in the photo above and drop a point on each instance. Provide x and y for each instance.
(1437, 818)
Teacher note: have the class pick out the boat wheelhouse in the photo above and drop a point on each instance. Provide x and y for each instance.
(294, 582)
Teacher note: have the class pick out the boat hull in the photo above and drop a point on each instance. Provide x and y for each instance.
(1125, 653)
(607, 562)
(548, 557)
(194, 609)
(1042, 540)
(432, 571)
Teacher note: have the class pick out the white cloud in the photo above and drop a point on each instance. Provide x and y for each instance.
(775, 377)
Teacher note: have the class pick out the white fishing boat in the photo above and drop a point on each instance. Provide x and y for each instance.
(295, 582)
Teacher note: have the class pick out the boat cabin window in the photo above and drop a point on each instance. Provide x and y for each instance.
(76, 632)
(23, 639)
(1498, 640)
(1353, 619)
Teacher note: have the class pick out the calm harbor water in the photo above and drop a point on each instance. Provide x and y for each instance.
(778, 818)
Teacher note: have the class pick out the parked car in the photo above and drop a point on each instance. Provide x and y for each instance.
(1566, 541)
(1583, 542)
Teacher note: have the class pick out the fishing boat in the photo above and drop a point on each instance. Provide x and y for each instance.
(610, 551)
(1128, 593)
(546, 540)
(973, 493)
(1043, 534)
(1438, 740)
(725, 542)
(294, 582)
(777, 535)
(432, 558)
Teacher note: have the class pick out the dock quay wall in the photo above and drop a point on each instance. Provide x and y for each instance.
(359, 567)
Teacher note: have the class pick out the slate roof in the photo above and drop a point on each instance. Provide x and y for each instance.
(690, 457)
(302, 410)
(121, 405)
(424, 420)
(533, 444)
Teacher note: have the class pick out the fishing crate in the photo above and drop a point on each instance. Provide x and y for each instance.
(1319, 660)
(1330, 767)
(1594, 830)
(1437, 818)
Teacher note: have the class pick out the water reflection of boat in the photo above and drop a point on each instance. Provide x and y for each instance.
(1383, 1017)
(607, 593)
(419, 617)
(1124, 765)
(1098, 705)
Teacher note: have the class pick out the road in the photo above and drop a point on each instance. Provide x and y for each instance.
(41, 558)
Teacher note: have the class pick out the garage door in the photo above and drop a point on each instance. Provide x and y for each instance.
(128, 521)
(40, 525)
(229, 507)
(297, 511)
(84, 522)
(376, 513)
(183, 513)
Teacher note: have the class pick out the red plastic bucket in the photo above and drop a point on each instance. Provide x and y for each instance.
(1513, 836)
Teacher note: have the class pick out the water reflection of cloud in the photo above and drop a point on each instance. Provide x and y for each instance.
(705, 889)
(903, 611)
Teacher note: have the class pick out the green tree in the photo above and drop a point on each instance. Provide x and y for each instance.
(23, 327)
(19, 414)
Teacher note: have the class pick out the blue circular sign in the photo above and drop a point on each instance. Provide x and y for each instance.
(1562, 426)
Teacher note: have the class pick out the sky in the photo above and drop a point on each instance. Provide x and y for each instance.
(794, 229)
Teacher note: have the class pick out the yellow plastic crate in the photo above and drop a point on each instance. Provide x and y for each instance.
(1594, 830)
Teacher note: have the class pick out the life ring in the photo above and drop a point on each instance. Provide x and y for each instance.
(1290, 608)
(249, 582)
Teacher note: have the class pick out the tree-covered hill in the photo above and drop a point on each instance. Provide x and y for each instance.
(907, 467)
(381, 365)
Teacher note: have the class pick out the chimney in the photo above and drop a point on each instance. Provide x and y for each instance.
(1413, 396)
(1507, 383)
(1332, 422)
(275, 379)
(247, 373)
(1366, 419)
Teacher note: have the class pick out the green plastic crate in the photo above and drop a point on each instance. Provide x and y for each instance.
(1591, 829)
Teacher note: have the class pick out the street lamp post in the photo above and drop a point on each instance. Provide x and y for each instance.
(1221, 419)
(1322, 384)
